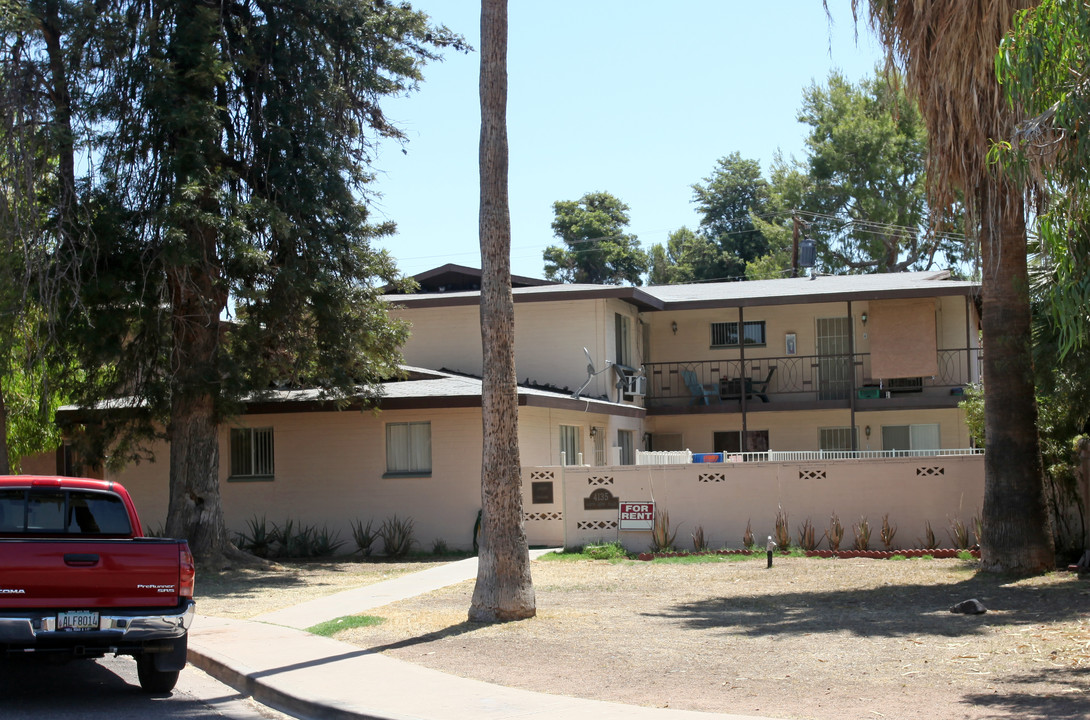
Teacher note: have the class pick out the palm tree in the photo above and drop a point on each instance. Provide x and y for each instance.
(947, 49)
(504, 589)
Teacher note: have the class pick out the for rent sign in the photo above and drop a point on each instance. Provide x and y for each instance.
(637, 515)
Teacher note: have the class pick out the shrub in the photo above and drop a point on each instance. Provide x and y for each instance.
(834, 533)
(807, 539)
(364, 536)
(662, 538)
(959, 534)
(862, 534)
(397, 536)
(259, 539)
(928, 541)
(326, 542)
(978, 529)
(439, 547)
(747, 538)
(700, 543)
(606, 551)
(783, 531)
(887, 532)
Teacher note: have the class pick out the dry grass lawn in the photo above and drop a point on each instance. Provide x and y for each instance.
(810, 638)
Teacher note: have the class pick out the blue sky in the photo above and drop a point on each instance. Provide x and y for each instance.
(635, 98)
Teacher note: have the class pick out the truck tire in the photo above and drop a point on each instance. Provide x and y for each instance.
(153, 680)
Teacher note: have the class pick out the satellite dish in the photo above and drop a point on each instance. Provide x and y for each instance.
(591, 372)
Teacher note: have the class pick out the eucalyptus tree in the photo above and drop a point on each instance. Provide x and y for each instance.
(504, 588)
(946, 51)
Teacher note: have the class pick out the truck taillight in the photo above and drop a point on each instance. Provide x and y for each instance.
(186, 570)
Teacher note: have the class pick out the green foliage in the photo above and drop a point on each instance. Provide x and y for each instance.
(959, 534)
(1041, 66)
(224, 152)
(596, 247)
(727, 201)
(861, 189)
(606, 551)
(973, 407)
(259, 540)
(329, 628)
(397, 536)
(363, 536)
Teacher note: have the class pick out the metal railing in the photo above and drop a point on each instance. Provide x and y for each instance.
(797, 377)
(682, 457)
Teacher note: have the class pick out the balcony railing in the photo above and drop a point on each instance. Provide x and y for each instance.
(800, 379)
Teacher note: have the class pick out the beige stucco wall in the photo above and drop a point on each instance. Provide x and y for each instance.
(549, 340)
(329, 471)
(724, 497)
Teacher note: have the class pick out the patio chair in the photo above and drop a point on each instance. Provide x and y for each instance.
(760, 387)
(699, 392)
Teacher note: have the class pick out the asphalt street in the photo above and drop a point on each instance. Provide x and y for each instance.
(107, 689)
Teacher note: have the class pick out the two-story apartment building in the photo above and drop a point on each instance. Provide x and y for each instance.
(860, 362)
(872, 362)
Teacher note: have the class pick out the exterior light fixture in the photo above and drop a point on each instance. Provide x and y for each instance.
(864, 318)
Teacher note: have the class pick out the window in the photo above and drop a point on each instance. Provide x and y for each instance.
(626, 442)
(570, 444)
(408, 448)
(623, 328)
(72, 512)
(725, 334)
(251, 452)
(910, 437)
(731, 441)
(837, 438)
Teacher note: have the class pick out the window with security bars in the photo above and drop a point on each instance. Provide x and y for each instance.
(725, 334)
(251, 452)
(408, 448)
(836, 438)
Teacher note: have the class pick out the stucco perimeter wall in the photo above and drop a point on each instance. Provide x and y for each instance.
(724, 497)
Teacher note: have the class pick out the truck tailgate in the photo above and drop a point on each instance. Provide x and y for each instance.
(126, 573)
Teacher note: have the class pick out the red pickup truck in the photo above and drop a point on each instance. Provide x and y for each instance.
(79, 580)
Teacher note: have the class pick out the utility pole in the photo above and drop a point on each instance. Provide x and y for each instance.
(795, 245)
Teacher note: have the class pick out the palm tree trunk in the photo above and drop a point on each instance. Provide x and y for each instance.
(504, 589)
(1017, 534)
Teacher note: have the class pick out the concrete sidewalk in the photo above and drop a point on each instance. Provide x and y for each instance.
(315, 677)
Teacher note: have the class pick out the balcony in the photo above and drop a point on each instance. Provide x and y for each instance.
(803, 382)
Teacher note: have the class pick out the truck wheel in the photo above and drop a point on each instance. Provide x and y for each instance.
(153, 680)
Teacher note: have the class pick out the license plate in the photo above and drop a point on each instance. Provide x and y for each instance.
(77, 620)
